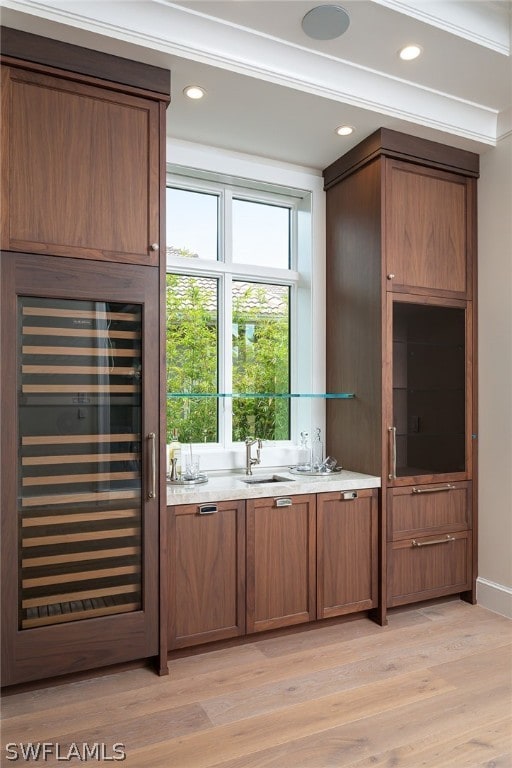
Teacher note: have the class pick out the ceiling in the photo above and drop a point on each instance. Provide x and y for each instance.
(274, 92)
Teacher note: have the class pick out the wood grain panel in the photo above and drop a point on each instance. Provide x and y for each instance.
(281, 554)
(85, 182)
(439, 511)
(426, 229)
(347, 553)
(206, 573)
(431, 570)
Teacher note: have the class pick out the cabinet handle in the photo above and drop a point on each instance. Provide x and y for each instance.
(448, 538)
(392, 452)
(447, 487)
(284, 502)
(154, 247)
(348, 495)
(152, 461)
(391, 276)
(207, 509)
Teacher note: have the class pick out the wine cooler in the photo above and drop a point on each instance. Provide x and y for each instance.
(82, 523)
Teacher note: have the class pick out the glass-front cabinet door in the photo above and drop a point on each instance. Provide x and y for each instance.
(430, 406)
(82, 521)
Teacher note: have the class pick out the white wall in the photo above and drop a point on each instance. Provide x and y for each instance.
(494, 586)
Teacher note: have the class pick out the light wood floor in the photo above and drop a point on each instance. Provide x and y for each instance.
(433, 690)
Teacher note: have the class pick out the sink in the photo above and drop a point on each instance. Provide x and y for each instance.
(257, 479)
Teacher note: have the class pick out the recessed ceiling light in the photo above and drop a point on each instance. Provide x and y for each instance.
(194, 92)
(325, 22)
(344, 130)
(410, 52)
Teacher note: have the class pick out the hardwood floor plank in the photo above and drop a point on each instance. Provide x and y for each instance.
(481, 699)
(460, 751)
(435, 684)
(209, 748)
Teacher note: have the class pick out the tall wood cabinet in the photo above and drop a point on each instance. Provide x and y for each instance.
(82, 188)
(401, 267)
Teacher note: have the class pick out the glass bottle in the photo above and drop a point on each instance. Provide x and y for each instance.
(317, 451)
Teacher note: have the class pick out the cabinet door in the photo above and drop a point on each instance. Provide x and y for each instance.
(429, 225)
(206, 572)
(281, 553)
(79, 465)
(347, 552)
(80, 170)
(429, 391)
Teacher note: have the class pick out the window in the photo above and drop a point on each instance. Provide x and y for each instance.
(232, 295)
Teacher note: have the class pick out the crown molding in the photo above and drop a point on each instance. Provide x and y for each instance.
(164, 26)
(482, 22)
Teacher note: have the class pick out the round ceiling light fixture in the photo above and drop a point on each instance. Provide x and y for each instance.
(194, 91)
(344, 130)
(409, 52)
(325, 22)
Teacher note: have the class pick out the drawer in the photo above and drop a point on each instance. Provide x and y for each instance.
(428, 567)
(428, 509)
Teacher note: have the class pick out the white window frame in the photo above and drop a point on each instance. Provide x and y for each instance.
(226, 454)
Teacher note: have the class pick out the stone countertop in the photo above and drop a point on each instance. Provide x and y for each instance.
(229, 486)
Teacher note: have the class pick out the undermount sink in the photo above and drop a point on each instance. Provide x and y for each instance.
(256, 479)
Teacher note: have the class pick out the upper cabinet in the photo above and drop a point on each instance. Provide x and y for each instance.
(424, 194)
(82, 160)
(427, 242)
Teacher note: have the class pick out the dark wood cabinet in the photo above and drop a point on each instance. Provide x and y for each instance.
(428, 235)
(281, 562)
(83, 166)
(82, 232)
(79, 468)
(206, 572)
(401, 301)
(347, 552)
(429, 541)
(429, 566)
(424, 510)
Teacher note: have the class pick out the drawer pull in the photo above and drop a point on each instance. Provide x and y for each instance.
(446, 487)
(207, 509)
(284, 502)
(434, 541)
(349, 495)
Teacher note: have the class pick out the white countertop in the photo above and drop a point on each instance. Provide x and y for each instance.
(229, 486)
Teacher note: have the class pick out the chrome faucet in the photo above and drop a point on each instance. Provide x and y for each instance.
(249, 460)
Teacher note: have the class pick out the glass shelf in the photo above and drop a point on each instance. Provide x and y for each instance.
(273, 395)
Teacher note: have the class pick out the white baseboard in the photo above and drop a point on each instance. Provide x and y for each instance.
(495, 597)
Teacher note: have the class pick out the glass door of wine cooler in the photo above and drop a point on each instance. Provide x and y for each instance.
(80, 464)
(428, 434)
(84, 516)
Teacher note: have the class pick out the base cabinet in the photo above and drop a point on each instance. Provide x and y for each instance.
(347, 562)
(428, 567)
(429, 541)
(238, 567)
(281, 554)
(206, 573)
